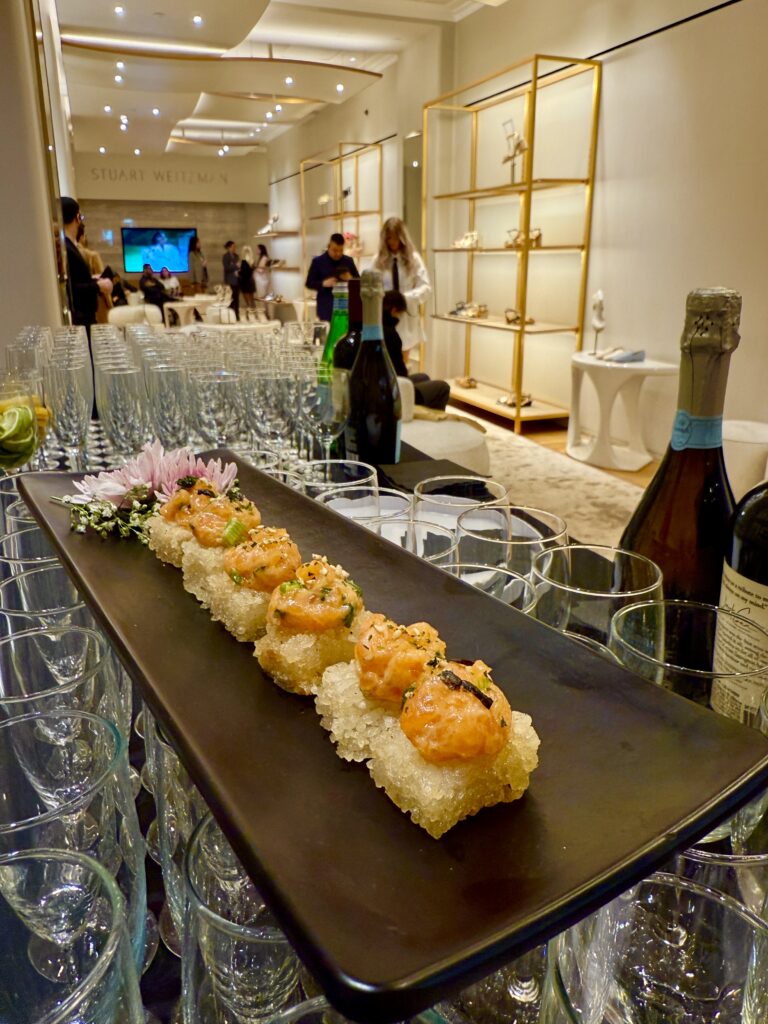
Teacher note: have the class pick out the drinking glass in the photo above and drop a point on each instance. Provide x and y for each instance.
(669, 950)
(9, 493)
(19, 437)
(267, 461)
(442, 499)
(69, 391)
(496, 581)
(579, 587)
(708, 654)
(18, 516)
(25, 549)
(367, 502)
(508, 535)
(123, 408)
(271, 408)
(325, 403)
(237, 965)
(433, 542)
(69, 902)
(321, 475)
(64, 785)
(217, 401)
(740, 874)
(511, 994)
(168, 391)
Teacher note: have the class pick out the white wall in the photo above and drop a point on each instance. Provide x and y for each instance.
(679, 201)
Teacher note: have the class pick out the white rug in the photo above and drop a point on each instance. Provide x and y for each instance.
(595, 505)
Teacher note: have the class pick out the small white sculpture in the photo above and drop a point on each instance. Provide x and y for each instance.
(598, 316)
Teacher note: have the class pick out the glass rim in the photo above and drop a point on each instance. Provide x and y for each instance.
(733, 860)
(516, 576)
(699, 673)
(72, 684)
(75, 804)
(418, 491)
(267, 933)
(486, 507)
(33, 560)
(63, 1010)
(556, 549)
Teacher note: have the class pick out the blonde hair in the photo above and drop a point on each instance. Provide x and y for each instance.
(246, 253)
(394, 226)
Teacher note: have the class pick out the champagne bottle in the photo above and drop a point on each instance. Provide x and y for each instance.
(373, 431)
(346, 347)
(339, 322)
(744, 590)
(683, 520)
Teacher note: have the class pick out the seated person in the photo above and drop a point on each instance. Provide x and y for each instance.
(433, 394)
(170, 282)
(152, 288)
(120, 290)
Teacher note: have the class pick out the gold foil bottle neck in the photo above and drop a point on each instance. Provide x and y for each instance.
(371, 285)
(712, 318)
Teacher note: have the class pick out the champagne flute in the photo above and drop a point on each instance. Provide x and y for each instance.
(325, 403)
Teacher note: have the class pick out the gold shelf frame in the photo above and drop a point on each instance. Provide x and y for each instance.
(346, 151)
(535, 77)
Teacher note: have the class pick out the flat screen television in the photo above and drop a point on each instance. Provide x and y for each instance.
(159, 247)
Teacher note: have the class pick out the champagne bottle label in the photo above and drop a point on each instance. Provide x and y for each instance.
(735, 652)
(696, 431)
(371, 332)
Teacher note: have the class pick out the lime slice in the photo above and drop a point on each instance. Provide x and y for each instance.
(20, 443)
(26, 419)
(9, 422)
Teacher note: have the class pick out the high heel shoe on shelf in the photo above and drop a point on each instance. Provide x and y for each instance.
(534, 237)
(516, 239)
(512, 316)
(511, 401)
(467, 241)
(466, 382)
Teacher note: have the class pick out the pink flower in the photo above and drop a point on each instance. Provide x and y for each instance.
(158, 471)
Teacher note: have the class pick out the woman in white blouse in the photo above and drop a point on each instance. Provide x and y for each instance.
(403, 270)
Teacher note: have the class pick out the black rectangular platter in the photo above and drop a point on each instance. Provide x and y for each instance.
(388, 919)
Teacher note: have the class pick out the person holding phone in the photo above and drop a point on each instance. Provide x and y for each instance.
(325, 270)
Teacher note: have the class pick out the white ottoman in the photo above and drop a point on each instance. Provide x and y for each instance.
(745, 445)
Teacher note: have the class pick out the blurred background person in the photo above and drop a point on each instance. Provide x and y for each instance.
(403, 271)
(231, 263)
(246, 278)
(262, 272)
(198, 266)
(433, 394)
(82, 289)
(170, 282)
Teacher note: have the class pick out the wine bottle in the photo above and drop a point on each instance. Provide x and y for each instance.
(744, 590)
(683, 520)
(339, 322)
(373, 431)
(346, 347)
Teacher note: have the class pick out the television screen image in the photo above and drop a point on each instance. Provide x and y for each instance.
(159, 247)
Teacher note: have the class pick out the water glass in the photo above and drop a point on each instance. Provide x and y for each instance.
(168, 392)
(367, 502)
(442, 499)
(669, 950)
(496, 581)
(321, 475)
(508, 535)
(237, 965)
(25, 549)
(511, 994)
(217, 401)
(433, 542)
(69, 393)
(64, 785)
(579, 587)
(18, 516)
(63, 910)
(122, 404)
(9, 493)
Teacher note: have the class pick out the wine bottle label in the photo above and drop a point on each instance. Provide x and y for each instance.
(372, 332)
(737, 652)
(696, 431)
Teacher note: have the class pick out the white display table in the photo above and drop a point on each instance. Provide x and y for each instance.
(611, 380)
(185, 308)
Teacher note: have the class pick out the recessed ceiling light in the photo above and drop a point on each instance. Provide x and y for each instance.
(124, 119)
(225, 148)
(221, 152)
(258, 129)
(278, 107)
(119, 79)
(289, 80)
(119, 11)
(50, 149)
(269, 115)
(123, 127)
(120, 65)
(107, 109)
(102, 150)
(415, 163)
(339, 87)
(352, 60)
(156, 111)
(197, 20)
(137, 152)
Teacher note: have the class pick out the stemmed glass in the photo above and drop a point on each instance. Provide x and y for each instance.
(325, 404)
(69, 389)
(218, 407)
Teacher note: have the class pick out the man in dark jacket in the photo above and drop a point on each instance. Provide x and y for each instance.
(82, 289)
(231, 263)
(325, 270)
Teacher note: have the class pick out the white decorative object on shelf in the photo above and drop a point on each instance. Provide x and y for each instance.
(269, 227)
(598, 315)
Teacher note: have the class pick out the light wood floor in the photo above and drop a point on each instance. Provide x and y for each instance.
(553, 434)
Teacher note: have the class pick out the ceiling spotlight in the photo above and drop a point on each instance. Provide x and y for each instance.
(278, 107)
(156, 111)
(123, 127)
(120, 65)
(197, 20)
(119, 11)
(107, 109)
(258, 129)
(119, 79)
(102, 150)
(137, 152)
(50, 149)
(251, 134)
(415, 163)
(339, 87)
(269, 115)
(225, 148)
(221, 152)
(289, 80)
(124, 119)
(352, 60)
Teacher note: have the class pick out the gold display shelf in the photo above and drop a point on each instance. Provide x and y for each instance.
(536, 185)
(343, 214)
(539, 327)
(486, 396)
(508, 249)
